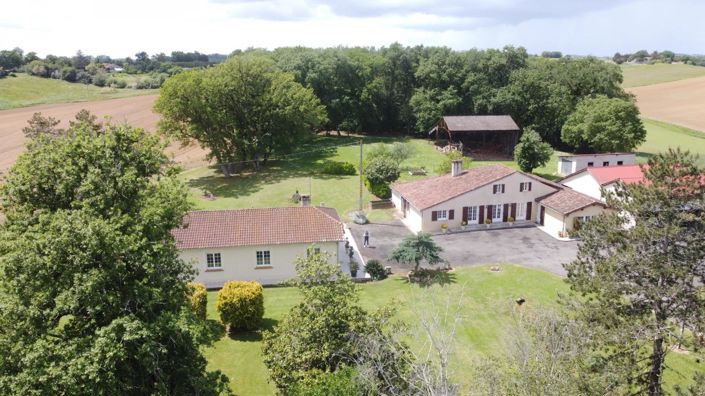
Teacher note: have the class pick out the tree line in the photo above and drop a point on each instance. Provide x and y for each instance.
(96, 70)
(572, 104)
(644, 56)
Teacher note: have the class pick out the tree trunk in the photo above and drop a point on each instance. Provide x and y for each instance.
(225, 168)
(656, 368)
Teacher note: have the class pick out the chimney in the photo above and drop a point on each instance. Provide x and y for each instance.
(456, 168)
(305, 200)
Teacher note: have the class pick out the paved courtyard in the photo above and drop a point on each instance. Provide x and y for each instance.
(528, 246)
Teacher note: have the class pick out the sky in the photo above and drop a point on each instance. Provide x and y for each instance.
(123, 28)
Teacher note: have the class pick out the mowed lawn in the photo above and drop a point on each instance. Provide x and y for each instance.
(279, 180)
(25, 90)
(487, 311)
(640, 75)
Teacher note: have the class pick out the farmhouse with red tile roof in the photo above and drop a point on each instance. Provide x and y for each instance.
(256, 244)
(494, 194)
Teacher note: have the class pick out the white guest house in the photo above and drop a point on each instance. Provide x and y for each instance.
(256, 244)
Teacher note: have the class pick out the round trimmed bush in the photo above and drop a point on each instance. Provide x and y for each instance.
(376, 270)
(241, 305)
(198, 297)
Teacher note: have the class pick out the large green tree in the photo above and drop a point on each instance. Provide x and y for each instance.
(532, 152)
(640, 268)
(242, 110)
(415, 249)
(601, 124)
(317, 334)
(92, 290)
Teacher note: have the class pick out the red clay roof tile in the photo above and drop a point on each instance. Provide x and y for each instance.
(266, 226)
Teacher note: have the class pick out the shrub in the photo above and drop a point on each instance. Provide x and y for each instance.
(198, 296)
(380, 190)
(339, 382)
(376, 270)
(445, 166)
(338, 168)
(100, 80)
(241, 305)
(120, 83)
(382, 170)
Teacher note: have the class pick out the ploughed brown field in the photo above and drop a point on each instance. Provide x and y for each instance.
(136, 111)
(679, 102)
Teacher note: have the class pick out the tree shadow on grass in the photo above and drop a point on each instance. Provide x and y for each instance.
(305, 162)
(267, 324)
(430, 277)
(210, 331)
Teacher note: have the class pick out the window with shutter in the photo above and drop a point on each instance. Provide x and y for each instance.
(451, 214)
(434, 215)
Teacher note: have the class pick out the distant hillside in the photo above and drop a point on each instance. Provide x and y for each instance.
(24, 90)
(640, 75)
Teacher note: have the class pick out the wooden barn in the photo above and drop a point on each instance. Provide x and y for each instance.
(479, 133)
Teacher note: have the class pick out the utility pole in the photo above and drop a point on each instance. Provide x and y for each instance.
(360, 200)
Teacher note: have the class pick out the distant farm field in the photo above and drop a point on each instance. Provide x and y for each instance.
(136, 111)
(24, 90)
(641, 75)
(679, 102)
(661, 136)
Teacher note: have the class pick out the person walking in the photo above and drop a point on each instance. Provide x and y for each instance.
(366, 239)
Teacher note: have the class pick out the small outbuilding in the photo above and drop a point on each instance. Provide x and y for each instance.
(569, 164)
(479, 133)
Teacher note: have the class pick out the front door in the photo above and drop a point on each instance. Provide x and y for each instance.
(497, 213)
(473, 215)
(542, 215)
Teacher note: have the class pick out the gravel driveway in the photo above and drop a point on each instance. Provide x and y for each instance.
(528, 246)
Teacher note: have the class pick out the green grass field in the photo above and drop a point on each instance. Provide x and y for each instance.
(661, 136)
(24, 90)
(639, 75)
(274, 185)
(488, 310)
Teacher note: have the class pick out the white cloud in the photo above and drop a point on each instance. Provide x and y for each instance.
(599, 27)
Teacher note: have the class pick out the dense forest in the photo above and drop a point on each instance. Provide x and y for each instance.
(400, 89)
(406, 89)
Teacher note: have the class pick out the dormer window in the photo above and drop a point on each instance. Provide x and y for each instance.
(498, 188)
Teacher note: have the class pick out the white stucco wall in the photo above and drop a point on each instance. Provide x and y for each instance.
(581, 161)
(584, 183)
(240, 263)
(484, 196)
(555, 222)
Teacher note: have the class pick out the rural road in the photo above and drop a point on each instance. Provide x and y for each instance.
(136, 111)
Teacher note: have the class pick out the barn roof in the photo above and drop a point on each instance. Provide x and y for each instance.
(478, 123)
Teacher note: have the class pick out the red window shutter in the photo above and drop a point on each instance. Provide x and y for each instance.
(521, 187)
(481, 215)
(434, 215)
(505, 212)
(451, 214)
(502, 188)
(465, 213)
(528, 211)
(514, 211)
(490, 212)
(529, 186)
